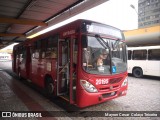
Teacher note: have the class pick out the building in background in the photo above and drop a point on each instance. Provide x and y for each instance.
(148, 13)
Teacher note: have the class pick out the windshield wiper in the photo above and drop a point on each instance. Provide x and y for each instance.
(106, 46)
(102, 42)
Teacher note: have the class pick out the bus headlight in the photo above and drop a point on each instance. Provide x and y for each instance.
(88, 86)
(125, 82)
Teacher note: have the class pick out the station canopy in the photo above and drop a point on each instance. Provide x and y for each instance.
(21, 18)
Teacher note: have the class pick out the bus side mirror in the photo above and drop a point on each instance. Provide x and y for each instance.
(84, 41)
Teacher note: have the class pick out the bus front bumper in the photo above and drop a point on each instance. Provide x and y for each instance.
(88, 99)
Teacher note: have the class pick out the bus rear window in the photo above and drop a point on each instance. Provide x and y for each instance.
(139, 54)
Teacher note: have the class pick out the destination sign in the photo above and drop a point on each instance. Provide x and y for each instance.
(104, 29)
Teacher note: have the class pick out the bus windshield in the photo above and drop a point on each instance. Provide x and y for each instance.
(107, 58)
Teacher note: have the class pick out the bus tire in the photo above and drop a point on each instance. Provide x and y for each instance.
(137, 72)
(49, 87)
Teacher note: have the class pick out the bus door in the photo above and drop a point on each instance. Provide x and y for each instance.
(65, 70)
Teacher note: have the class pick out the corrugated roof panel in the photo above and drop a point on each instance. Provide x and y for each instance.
(35, 15)
(45, 9)
(20, 1)
(3, 27)
(8, 12)
(17, 28)
(11, 4)
(8, 38)
(64, 2)
(42, 10)
(50, 4)
(12, 10)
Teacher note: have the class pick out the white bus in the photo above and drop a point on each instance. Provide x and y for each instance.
(5, 57)
(144, 61)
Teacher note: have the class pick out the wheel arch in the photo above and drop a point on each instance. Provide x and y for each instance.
(46, 77)
(135, 68)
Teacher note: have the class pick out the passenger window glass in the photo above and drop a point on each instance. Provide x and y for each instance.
(22, 54)
(36, 50)
(154, 54)
(129, 54)
(43, 48)
(51, 47)
(139, 54)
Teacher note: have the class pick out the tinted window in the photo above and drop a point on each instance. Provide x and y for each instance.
(51, 47)
(52, 42)
(154, 54)
(139, 54)
(129, 54)
(36, 49)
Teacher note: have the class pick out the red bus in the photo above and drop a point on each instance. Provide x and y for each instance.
(83, 62)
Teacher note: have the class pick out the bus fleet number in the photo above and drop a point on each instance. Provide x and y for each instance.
(101, 81)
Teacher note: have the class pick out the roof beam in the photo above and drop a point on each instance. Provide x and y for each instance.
(22, 21)
(12, 34)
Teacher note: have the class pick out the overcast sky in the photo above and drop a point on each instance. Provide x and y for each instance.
(117, 13)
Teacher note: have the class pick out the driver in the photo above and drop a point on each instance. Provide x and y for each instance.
(102, 56)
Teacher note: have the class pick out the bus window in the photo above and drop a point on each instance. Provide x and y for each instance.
(129, 54)
(154, 54)
(139, 54)
(43, 48)
(51, 47)
(36, 50)
(22, 54)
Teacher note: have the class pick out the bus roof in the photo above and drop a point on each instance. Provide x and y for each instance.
(73, 24)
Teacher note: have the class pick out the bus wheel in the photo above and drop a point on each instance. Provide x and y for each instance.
(137, 72)
(49, 86)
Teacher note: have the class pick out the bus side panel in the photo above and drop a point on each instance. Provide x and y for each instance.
(137, 63)
(39, 72)
(33, 75)
(48, 68)
(130, 66)
(153, 68)
(41, 68)
(23, 68)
